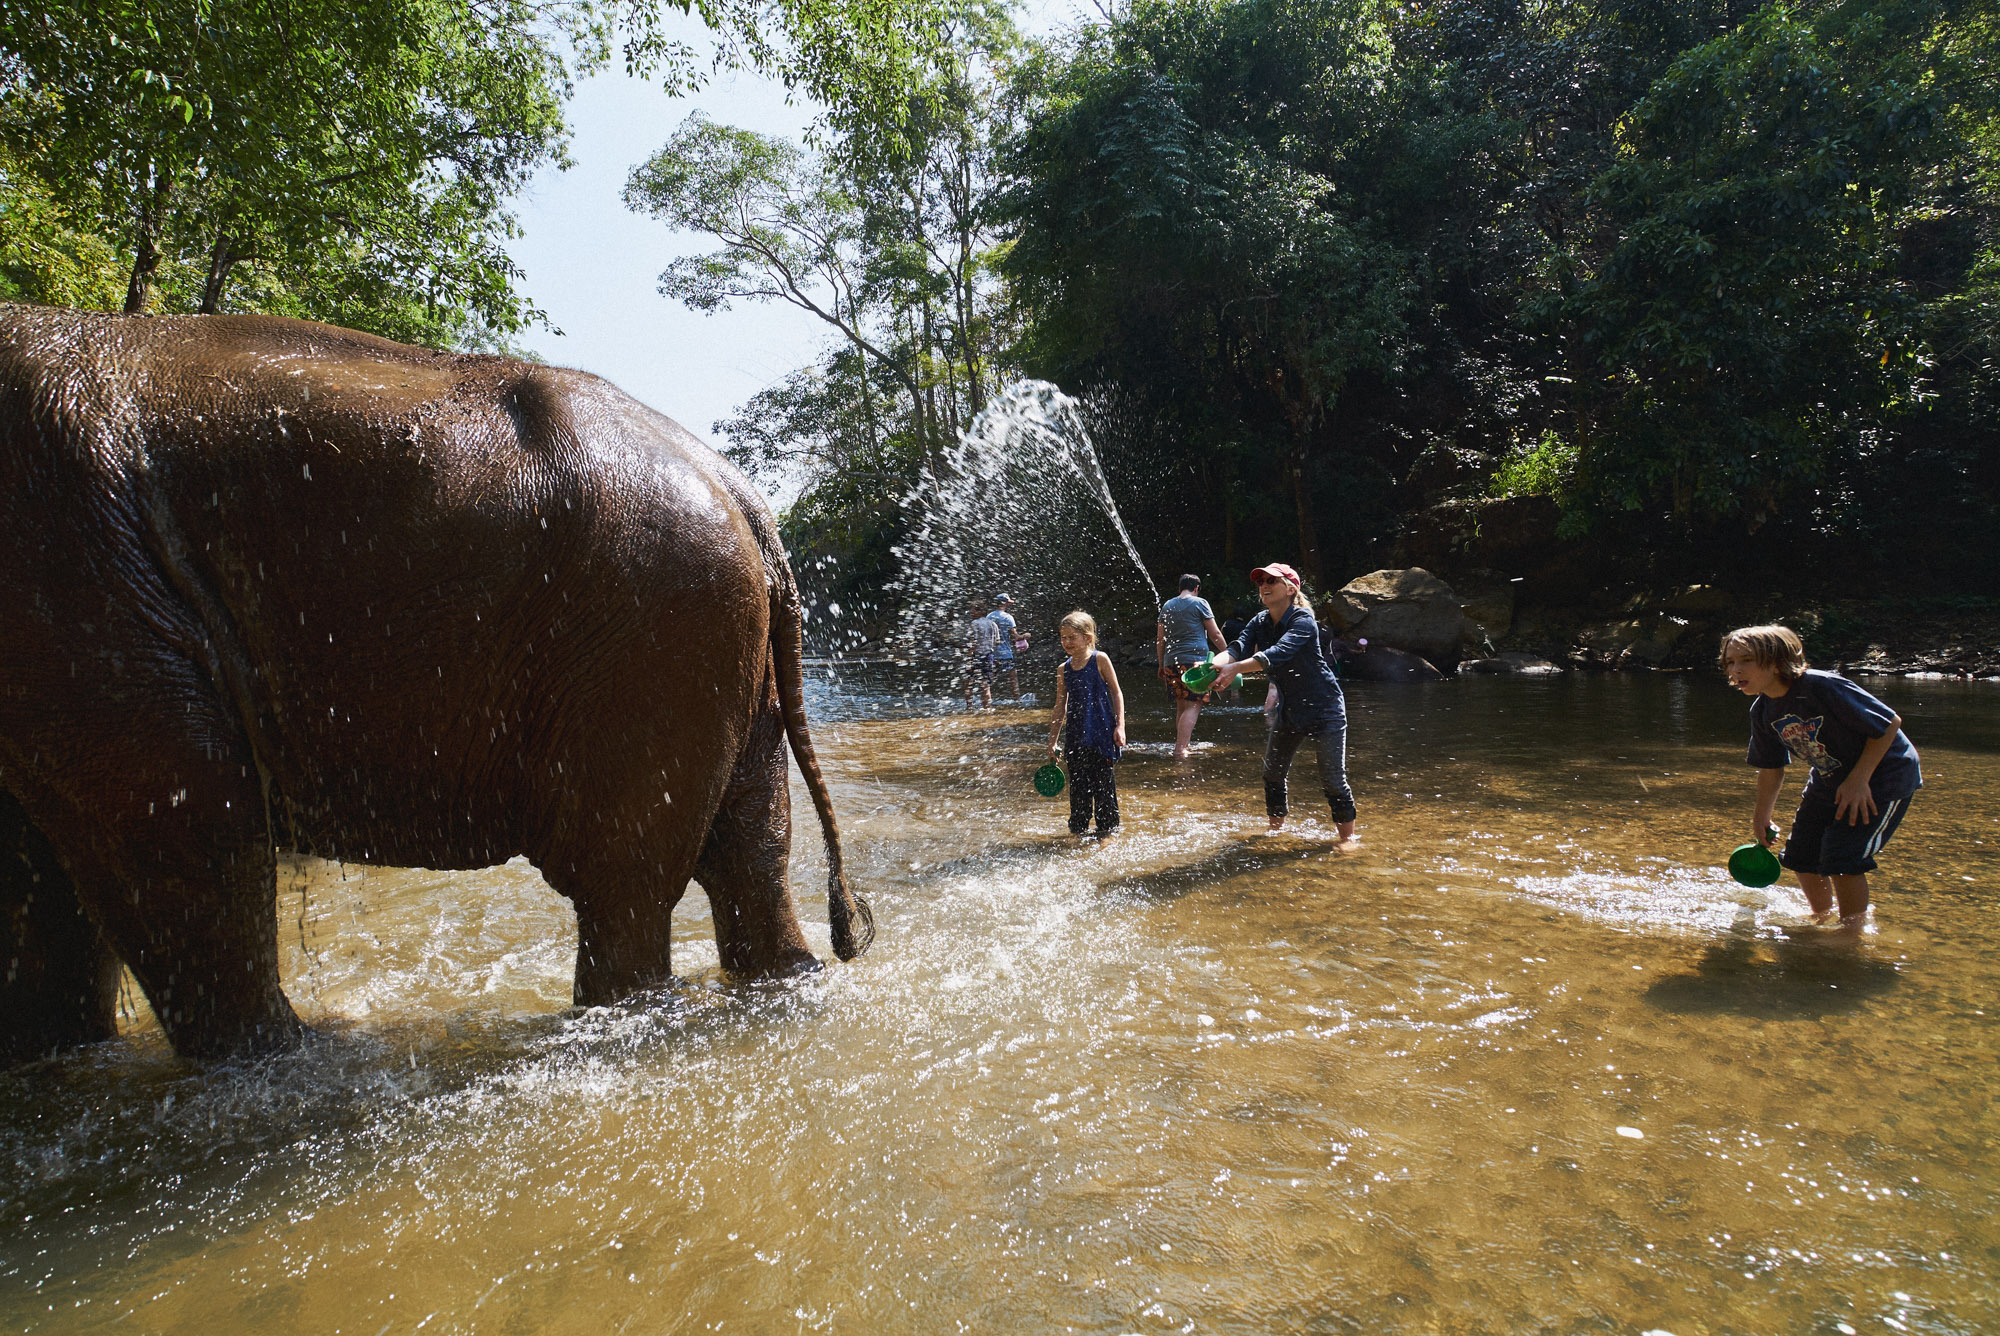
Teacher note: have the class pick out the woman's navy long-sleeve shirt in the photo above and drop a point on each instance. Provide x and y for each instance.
(1308, 693)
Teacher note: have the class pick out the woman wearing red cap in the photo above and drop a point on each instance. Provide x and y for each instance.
(1283, 641)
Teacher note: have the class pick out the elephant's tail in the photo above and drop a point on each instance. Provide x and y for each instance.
(846, 911)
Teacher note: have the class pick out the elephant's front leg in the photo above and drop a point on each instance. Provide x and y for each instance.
(745, 863)
(58, 975)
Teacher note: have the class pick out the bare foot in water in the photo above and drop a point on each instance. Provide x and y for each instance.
(1277, 824)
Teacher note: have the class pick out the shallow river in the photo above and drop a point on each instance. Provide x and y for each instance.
(1524, 1061)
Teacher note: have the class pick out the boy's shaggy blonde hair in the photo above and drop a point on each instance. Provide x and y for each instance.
(1775, 647)
(1083, 624)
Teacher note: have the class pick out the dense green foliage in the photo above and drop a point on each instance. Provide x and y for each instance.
(350, 163)
(1717, 282)
(1717, 278)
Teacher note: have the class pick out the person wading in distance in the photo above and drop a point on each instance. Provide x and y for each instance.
(1186, 632)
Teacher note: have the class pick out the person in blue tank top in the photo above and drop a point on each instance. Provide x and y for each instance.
(1283, 642)
(1861, 769)
(1087, 726)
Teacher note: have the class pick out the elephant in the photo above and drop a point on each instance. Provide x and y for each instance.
(271, 585)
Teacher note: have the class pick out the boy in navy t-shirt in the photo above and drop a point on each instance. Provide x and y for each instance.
(1863, 769)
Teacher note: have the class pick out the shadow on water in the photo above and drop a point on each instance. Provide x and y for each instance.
(1249, 854)
(1777, 980)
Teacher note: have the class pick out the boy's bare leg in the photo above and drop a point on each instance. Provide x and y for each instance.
(1185, 713)
(1819, 891)
(1852, 891)
(1346, 829)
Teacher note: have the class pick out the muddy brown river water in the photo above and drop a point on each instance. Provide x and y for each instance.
(1524, 1061)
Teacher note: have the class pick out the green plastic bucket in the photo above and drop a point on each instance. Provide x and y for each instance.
(1201, 677)
(1049, 780)
(1754, 865)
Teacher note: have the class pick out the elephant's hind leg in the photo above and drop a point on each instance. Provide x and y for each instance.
(624, 882)
(744, 865)
(58, 975)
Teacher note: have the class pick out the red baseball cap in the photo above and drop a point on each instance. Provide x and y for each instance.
(1277, 570)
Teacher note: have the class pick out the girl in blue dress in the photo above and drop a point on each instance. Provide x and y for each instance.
(1087, 726)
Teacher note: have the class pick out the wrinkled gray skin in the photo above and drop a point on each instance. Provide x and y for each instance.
(272, 585)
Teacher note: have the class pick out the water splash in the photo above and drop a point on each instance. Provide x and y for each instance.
(1019, 506)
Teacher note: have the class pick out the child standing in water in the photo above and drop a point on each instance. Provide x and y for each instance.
(1863, 769)
(1087, 726)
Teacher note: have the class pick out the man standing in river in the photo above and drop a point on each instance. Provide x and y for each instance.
(1011, 640)
(1185, 634)
(982, 643)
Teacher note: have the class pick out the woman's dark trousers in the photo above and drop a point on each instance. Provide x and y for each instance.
(1332, 744)
(1093, 788)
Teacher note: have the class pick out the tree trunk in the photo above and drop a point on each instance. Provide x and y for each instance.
(868, 413)
(146, 257)
(220, 261)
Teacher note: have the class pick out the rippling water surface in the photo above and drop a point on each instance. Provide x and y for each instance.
(1524, 1061)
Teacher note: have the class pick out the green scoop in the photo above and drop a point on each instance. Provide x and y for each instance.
(1201, 676)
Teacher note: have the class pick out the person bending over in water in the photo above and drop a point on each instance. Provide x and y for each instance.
(1864, 770)
(1283, 641)
(1087, 726)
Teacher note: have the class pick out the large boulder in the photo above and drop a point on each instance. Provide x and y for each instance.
(1408, 609)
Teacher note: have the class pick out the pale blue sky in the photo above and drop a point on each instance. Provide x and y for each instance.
(594, 266)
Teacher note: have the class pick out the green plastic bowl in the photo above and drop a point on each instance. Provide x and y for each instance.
(1201, 677)
(1754, 865)
(1049, 780)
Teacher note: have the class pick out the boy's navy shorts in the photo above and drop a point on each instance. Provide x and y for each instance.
(1822, 844)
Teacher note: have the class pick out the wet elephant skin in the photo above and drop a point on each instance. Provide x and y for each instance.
(270, 585)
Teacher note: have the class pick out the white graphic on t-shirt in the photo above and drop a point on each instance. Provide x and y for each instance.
(1801, 739)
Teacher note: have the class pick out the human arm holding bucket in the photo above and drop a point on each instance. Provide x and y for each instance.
(1238, 658)
(1769, 781)
(1056, 716)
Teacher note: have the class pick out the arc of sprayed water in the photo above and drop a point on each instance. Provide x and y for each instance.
(1061, 419)
(992, 470)
(1084, 455)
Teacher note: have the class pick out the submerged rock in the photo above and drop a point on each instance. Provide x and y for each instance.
(1514, 661)
(1385, 664)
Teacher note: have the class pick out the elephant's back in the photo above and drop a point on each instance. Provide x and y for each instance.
(452, 584)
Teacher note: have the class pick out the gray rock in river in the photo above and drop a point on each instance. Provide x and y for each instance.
(1409, 610)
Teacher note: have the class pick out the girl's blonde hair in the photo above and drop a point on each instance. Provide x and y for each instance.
(1083, 624)
(1775, 647)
